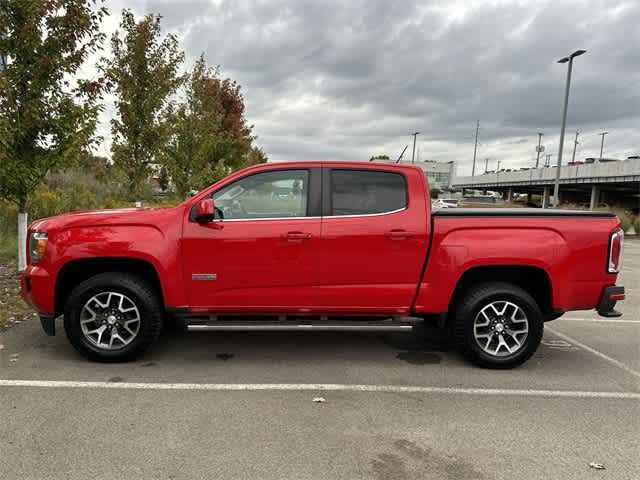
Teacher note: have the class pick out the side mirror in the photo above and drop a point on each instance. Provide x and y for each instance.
(205, 211)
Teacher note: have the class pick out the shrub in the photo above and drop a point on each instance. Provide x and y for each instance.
(8, 246)
(624, 218)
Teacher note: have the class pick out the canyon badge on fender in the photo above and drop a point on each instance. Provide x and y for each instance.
(203, 277)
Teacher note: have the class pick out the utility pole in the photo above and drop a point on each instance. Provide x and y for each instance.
(413, 156)
(569, 59)
(486, 164)
(602, 143)
(475, 149)
(540, 134)
(575, 144)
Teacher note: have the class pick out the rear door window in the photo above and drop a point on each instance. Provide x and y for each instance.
(366, 192)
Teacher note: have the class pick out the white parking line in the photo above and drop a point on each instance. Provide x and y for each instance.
(603, 321)
(609, 359)
(320, 387)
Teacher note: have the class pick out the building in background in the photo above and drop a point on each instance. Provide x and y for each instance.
(439, 174)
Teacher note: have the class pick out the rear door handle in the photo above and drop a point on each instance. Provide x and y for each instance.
(296, 236)
(397, 234)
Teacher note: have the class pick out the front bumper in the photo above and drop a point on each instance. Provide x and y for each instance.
(610, 295)
(37, 289)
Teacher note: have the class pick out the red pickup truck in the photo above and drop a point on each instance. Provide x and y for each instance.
(344, 246)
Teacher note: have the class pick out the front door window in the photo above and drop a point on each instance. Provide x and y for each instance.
(277, 194)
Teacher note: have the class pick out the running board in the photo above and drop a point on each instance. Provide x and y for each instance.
(284, 326)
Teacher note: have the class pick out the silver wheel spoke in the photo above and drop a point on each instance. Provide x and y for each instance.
(502, 343)
(486, 322)
(486, 345)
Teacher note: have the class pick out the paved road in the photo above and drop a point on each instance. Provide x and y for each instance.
(195, 407)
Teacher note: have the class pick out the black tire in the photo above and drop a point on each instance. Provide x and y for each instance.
(145, 298)
(469, 306)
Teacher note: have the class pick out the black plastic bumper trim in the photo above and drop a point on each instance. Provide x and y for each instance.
(606, 305)
(48, 323)
(553, 314)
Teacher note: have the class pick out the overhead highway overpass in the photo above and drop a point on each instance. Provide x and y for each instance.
(599, 182)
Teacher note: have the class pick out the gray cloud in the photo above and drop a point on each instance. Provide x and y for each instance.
(337, 79)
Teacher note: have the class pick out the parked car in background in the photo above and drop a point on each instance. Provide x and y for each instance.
(470, 200)
(445, 203)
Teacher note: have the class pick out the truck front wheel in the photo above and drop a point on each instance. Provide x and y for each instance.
(113, 317)
(497, 325)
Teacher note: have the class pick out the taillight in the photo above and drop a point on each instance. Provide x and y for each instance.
(615, 251)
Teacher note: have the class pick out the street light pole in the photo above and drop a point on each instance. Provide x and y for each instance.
(602, 143)
(413, 156)
(556, 188)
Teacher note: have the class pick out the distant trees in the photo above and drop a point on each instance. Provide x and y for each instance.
(188, 128)
(46, 120)
(379, 157)
(192, 138)
(144, 72)
(209, 136)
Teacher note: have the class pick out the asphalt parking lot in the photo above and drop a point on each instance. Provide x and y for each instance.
(241, 406)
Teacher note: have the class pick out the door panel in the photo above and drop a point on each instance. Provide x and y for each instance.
(370, 263)
(261, 266)
(260, 254)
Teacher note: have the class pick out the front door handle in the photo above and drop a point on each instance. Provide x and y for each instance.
(397, 234)
(296, 236)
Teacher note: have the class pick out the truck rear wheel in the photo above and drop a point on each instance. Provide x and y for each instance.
(113, 317)
(497, 325)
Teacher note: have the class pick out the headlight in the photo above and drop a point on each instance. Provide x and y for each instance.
(37, 245)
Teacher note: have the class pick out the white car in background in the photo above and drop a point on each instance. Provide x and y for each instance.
(445, 203)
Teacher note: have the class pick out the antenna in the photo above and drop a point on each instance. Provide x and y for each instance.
(400, 157)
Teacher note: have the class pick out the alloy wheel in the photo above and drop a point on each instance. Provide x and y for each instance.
(501, 328)
(110, 320)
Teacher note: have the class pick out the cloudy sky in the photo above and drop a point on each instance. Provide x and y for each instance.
(348, 79)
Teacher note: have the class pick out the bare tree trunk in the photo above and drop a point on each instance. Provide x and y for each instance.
(22, 234)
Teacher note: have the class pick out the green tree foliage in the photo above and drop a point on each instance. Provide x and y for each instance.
(46, 121)
(144, 71)
(379, 157)
(209, 134)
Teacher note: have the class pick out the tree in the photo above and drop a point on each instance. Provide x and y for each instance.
(379, 157)
(209, 134)
(46, 121)
(143, 70)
